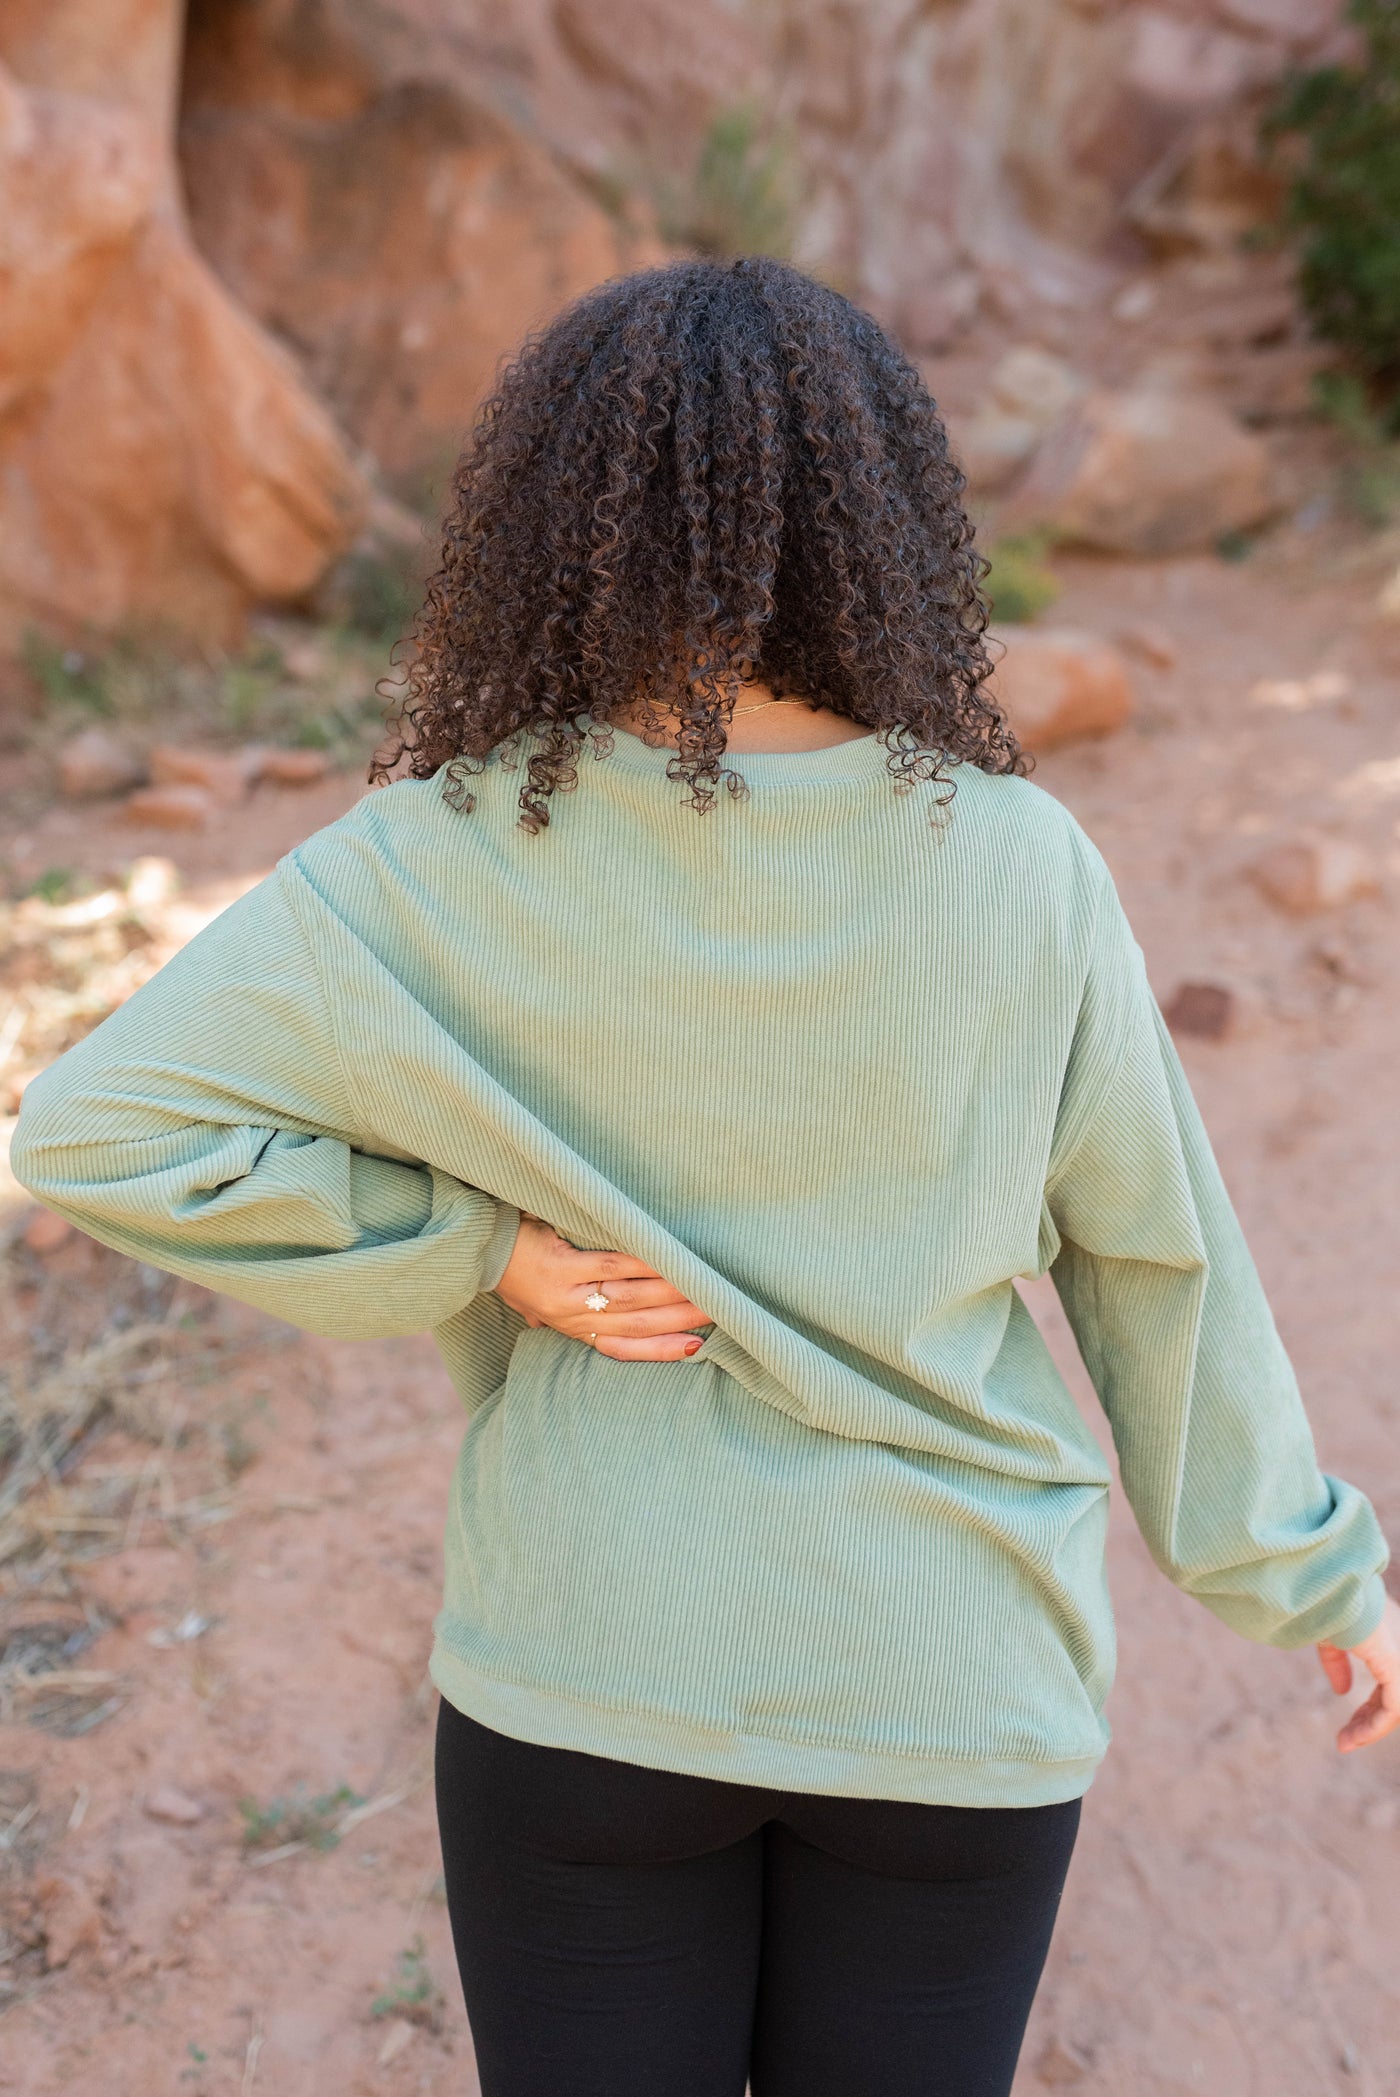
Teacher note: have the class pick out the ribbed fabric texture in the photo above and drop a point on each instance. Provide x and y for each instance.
(842, 1069)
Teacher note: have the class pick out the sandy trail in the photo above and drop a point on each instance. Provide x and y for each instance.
(1233, 1909)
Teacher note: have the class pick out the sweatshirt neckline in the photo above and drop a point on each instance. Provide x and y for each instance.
(860, 757)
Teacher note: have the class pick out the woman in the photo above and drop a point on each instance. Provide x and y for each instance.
(707, 1117)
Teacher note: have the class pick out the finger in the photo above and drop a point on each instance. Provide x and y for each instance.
(642, 1296)
(608, 1266)
(670, 1347)
(1336, 1665)
(634, 1325)
(1379, 1715)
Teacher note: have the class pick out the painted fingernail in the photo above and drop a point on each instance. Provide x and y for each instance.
(693, 1346)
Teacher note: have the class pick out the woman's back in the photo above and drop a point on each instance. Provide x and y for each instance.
(841, 1063)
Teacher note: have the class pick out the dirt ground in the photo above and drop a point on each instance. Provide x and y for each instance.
(262, 1597)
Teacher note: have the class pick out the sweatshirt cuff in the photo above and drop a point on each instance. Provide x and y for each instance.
(1363, 1619)
(499, 1246)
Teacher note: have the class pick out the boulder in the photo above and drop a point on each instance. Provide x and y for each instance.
(161, 459)
(1028, 391)
(1315, 871)
(453, 230)
(1146, 471)
(95, 763)
(77, 178)
(1058, 685)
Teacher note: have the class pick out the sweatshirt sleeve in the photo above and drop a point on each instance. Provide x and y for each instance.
(1214, 1447)
(207, 1127)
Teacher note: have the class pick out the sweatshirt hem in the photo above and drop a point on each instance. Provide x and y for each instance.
(691, 1747)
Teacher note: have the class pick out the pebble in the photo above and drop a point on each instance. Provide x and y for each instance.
(1205, 1011)
(169, 807)
(1058, 684)
(151, 881)
(72, 1920)
(294, 767)
(1061, 2064)
(96, 763)
(176, 1807)
(1151, 643)
(223, 774)
(1314, 872)
(46, 1233)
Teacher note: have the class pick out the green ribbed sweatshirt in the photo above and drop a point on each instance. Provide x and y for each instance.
(841, 1073)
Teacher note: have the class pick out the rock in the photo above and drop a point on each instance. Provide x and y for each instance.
(151, 881)
(1136, 300)
(1061, 2064)
(1315, 871)
(77, 178)
(1057, 685)
(1206, 200)
(1027, 392)
(71, 1918)
(1032, 382)
(455, 228)
(176, 1807)
(224, 775)
(46, 1233)
(397, 2040)
(1295, 695)
(1205, 1011)
(169, 807)
(993, 447)
(96, 763)
(294, 767)
(1152, 643)
(161, 459)
(1146, 472)
(305, 659)
(1388, 600)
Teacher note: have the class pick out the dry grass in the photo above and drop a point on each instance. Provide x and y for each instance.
(103, 1359)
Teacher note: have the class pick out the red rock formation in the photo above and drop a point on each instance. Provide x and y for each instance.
(359, 194)
(161, 459)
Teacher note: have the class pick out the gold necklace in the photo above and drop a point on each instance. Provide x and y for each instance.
(759, 706)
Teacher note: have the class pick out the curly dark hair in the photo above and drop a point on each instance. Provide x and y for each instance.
(699, 474)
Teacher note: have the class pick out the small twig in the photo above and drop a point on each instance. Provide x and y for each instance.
(65, 1678)
(275, 1856)
(20, 1821)
(250, 2058)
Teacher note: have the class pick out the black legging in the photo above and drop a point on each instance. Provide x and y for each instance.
(625, 1932)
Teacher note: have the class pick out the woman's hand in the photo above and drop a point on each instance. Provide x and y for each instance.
(1380, 1655)
(646, 1320)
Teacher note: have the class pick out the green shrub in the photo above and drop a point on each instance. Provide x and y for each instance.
(741, 198)
(67, 677)
(377, 594)
(1018, 584)
(1341, 125)
(1369, 480)
(297, 1818)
